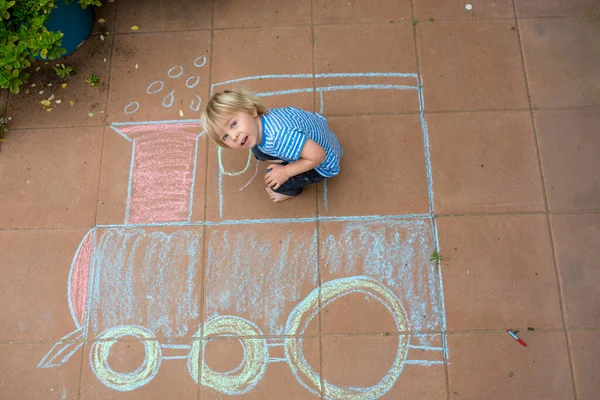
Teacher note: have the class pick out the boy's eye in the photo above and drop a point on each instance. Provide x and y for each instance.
(224, 137)
(233, 124)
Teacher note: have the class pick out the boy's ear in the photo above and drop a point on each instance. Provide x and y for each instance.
(254, 113)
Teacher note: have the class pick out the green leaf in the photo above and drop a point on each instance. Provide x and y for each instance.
(43, 53)
(14, 87)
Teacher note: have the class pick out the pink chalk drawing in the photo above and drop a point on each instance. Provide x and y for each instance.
(79, 279)
(162, 170)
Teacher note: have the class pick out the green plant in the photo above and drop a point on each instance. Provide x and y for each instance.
(93, 80)
(436, 257)
(63, 71)
(87, 3)
(24, 36)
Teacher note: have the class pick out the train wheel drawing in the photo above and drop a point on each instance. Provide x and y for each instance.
(306, 310)
(254, 363)
(125, 381)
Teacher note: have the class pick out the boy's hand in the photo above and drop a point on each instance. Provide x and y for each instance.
(276, 176)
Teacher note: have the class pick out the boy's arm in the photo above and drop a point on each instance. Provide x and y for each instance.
(311, 156)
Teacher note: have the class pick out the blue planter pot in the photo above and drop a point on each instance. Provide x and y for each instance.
(75, 23)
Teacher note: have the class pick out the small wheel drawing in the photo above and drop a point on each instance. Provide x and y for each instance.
(125, 381)
(254, 363)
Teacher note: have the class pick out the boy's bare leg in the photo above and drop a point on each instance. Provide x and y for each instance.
(277, 197)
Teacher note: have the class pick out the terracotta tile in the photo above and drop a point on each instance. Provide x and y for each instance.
(585, 353)
(362, 362)
(163, 15)
(556, 8)
(377, 276)
(484, 162)
(255, 14)
(576, 243)
(276, 52)
(163, 90)
(35, 265)
(108, 12)
(162, 377)
(261, 273)
(471, 65)
(495, 366)
(360, 57)
(166, 182)
(20, 377)
(50, 177)
(277, 375)
(149, 277)
(456, 10)
(27, 111)
(569, 161)
(359, 11)
(498, 273)
(388, 179)
(563, 52)
(244, 196)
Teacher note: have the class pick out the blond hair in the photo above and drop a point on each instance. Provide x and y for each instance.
(224, 104)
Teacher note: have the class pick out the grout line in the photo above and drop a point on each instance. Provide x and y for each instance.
(563, 310)
(439, 286)
(180, 340)
(317, 224)
(205, 227)
(337, 115)
(106, 126)
(511, 18)
(128, 33)
(81, 363)
(494, 331)
(386, 22)
(545, 196)
(437, 215)
(104, 132)
(566, 108)
(514, 213)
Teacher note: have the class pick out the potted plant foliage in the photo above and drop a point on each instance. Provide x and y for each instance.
(46, 29)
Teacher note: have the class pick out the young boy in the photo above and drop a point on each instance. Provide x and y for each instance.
(305, 149)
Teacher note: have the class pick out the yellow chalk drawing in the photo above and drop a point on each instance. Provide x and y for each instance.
(125, 381)
(305, 311)
(243, 378)
(222, 168)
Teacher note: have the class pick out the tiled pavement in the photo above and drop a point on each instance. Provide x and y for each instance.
(499, 136)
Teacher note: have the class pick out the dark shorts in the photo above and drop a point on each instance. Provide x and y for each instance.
(294, 185)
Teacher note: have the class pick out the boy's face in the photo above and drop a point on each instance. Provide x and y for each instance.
(241, 130)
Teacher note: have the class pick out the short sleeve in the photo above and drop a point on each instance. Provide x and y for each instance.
(290, 143)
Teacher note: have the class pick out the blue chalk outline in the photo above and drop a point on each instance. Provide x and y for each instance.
(81, 334)
(418, 87)
(320, 90)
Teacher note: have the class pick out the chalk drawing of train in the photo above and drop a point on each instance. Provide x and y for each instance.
(141, 278)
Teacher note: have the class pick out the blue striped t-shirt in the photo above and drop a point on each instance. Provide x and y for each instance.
(285, 131)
